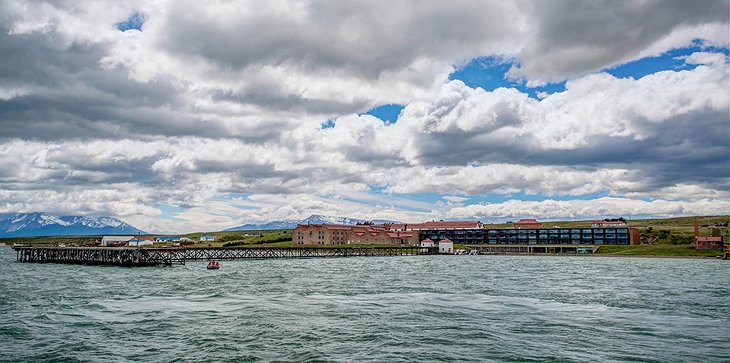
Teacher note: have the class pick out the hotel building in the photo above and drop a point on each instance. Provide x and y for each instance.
(524, 232)
(337, 234)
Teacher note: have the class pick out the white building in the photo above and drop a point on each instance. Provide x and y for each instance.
(427, 243)
(137, 242)
(112, 240)
(446, 246)
(207, 238)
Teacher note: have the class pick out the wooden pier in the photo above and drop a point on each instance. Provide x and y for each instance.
(126, 256)
(117, 256)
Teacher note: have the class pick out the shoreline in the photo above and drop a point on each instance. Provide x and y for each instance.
(602, 255)
(718, 257)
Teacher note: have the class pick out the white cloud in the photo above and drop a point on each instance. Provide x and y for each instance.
(228, 99)
(596, 208)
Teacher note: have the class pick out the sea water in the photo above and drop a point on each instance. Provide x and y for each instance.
(378, 309)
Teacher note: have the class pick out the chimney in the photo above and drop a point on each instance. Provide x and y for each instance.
(697, 229)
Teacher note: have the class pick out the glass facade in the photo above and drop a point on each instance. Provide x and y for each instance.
(598, 236)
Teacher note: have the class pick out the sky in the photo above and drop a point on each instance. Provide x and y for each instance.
(180, 116)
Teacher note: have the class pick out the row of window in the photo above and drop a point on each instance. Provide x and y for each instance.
(493, 232)
(574, 242)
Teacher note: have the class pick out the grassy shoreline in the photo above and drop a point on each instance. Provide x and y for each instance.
(656, 251)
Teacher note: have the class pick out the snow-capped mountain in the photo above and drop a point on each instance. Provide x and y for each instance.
(313, 219)
(155, 228)
(43, 224)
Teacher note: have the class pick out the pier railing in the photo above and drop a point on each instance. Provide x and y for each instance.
(126, 256)
(102, 255)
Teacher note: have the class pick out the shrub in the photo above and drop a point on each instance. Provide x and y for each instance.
(231, 237)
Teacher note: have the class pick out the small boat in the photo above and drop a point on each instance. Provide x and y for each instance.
(214, 265)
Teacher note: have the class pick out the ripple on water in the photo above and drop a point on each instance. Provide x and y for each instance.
(426, 308)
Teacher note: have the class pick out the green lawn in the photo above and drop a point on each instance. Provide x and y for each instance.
(656, 250)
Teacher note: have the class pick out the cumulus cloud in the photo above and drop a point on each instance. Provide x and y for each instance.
(580, 209)
(574, 38)
(208, 101)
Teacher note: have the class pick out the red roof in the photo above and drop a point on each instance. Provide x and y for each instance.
(399, 234)
(391, 227)
(427, 240)
(328, 226)
(446, 240)
(436, 225)
(527, 221)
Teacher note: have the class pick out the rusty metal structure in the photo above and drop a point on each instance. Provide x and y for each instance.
(125, 256)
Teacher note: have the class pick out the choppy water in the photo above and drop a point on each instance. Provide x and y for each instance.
(422, 308)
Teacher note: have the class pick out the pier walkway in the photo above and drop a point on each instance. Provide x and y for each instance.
(126, 256)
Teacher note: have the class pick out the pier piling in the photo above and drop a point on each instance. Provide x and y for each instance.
(125, 256)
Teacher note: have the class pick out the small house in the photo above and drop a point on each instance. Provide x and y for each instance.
(446, 246)
(427, 243)
(708, 243)
(207, 238)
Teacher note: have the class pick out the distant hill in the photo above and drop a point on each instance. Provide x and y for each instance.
(313, 219)
(264, 226)
(43, 224)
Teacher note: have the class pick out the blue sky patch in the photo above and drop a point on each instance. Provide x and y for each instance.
(489, 73)
(169, 211)
(387, 113)
(234, 196)
(134, 21)
(672, 60)
(330, 123)
(642, 67)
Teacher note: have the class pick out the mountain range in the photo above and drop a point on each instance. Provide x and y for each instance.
(313, 219)
(44, 224)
